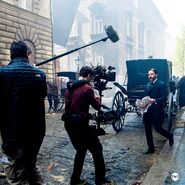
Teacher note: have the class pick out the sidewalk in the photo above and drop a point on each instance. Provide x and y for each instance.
(178, 164)
(171, 159)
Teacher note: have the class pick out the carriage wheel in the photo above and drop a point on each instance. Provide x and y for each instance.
(118, 105)
(57, 103)
(60, 104)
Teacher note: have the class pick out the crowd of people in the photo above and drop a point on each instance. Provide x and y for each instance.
(23, 127)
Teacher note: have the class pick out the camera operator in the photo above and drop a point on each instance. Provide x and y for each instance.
(79, 95)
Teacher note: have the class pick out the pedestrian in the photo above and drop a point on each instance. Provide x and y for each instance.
(79, 95)
(157, 91)
(22, 113)
(52, 95)
(63, 86)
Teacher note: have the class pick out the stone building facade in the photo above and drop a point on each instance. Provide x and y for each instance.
(139, 24)
(30, 21)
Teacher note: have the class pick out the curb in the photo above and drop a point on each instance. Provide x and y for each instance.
(159, 170)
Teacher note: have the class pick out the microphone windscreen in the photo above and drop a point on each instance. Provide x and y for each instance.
(111, 33)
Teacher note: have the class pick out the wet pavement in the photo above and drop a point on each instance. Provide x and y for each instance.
(126, 164)
(176, 173)
(123, 153)
(178, 166)
(169, 168)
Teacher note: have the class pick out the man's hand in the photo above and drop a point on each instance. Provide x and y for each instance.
(152, 100)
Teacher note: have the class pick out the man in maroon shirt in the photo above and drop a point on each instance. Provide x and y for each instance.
(79, 95)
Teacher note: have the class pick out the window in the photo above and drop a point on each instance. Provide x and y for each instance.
(136, 4)
(148, 39)
(128, 53)
(99, 60)
(29, 5)
(88, 61)
(141, 54)
(128, 23)
(97, 25)
(141, 34)
(26, 4)
(128, 27)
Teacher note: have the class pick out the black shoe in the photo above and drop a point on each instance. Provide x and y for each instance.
(149, 151)
(37, 179)
(106, 182)
(171, 140)
(79, 182)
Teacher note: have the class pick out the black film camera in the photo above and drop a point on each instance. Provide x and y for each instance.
(103, 75)
(106, 115)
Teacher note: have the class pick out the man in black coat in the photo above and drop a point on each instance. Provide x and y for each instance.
(157, 91)
(181, 92)
(22, 113)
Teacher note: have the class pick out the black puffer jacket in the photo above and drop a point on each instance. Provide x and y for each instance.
(22, 92)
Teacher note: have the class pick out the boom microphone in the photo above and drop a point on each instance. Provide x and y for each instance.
(111, 34)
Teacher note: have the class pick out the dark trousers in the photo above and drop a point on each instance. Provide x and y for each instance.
(53, 101)
(84, 138)
(23, 163)
(154, 118)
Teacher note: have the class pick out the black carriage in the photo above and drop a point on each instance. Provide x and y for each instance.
(71, 75)
(125, 98)
(57, 99)
(135, 88)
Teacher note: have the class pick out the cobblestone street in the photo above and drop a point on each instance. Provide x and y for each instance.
(125, 163)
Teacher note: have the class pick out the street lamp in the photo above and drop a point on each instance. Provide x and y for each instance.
(77, 62)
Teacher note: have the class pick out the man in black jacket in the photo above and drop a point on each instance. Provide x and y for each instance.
(157, 91)
(181, 92)
(22, 113)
